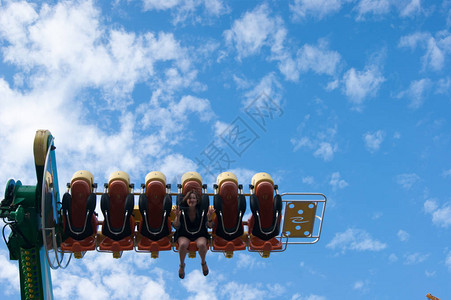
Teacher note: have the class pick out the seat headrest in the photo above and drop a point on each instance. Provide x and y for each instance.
(224, 177)
(155, 175)
(191, 176)
(120, 175)
(261, 177)
(190, 181)
(85, 176)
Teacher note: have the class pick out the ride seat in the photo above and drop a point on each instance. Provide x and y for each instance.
(264, 224)
(117, 205)
(229, 209)
(192, 181)
(155, 206)
(79, 220)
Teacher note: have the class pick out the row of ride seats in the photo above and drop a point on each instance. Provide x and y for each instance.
(80, 223)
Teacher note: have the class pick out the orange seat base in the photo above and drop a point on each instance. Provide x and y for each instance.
(116, 246)
(146, 244)
(258, 244)
(221, 244)
(72, 245)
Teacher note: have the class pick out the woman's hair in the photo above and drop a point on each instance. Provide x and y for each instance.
(188, 195)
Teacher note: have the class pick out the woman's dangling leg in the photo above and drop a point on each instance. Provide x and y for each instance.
(202, 249)
(183, 249)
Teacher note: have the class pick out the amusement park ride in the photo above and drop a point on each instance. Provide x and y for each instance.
(46, 232)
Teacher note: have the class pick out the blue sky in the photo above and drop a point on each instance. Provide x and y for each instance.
(360, 95)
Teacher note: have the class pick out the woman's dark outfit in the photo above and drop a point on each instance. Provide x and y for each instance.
(192, 226)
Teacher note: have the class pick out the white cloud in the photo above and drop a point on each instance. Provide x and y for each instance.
(360, 85)
(268, 92)
(435, 56)
(308, 297)
(249, 34)
(67, 40)
(160, 5)
(403, 236)
(248, 262)
(437, 48)
(235, 290)
(361, 285)
(174, 166)
(288, 67)
(336, 182)
(154, 290)
(102, 277)
(249, 291)
(254, 30)
(446, 173)
(393, 258)
(99, 276)
(325, 151)
(373, 140)
(191, 104)
(443, 86)
(430, 205)
(375, 7)
(276, 289)
(322, 143)
(441, 215)
(258, 29)
(413, 40)
(20, 15)
(220, 128)
(300, 143)
(166, 120)
(415, 258)
(60, 52)
(355, 239)
(241, 83)
(244, 175)
(407, 180)
(9, 274)
(332, 85)
(377, 215)
(181, 10)
(448, 261)
(308, 180)
(318, 59)
(416, 92)
(301, 9)
(411, 8)
(358, 285)
(199, 287)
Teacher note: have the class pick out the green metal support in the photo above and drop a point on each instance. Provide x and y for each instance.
(21, 209)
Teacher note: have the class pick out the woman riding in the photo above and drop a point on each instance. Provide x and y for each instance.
(189, 229)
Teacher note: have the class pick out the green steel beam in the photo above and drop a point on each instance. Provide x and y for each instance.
(21, 210)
